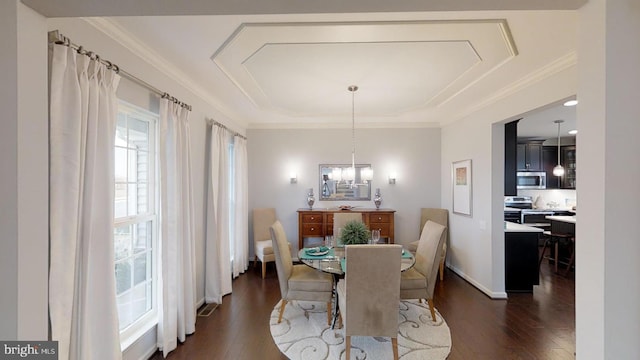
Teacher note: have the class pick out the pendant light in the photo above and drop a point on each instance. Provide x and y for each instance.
(558, 170)
(366, 174)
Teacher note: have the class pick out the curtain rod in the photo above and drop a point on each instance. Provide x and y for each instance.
(213, 122)
(55, 37)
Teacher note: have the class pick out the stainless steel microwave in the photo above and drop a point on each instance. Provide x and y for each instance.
(531, 180)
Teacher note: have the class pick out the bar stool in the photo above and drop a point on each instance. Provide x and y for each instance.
(554, 239)
(572, 257)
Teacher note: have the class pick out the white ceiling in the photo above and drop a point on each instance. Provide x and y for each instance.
(401, 68)
(274, 70)
(539, 124)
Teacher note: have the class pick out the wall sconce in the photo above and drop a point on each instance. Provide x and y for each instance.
(293, 178)
(392, 178)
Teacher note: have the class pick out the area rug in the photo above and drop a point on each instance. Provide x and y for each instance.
(304, 334)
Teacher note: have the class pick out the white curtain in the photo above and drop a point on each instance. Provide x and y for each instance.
(82, 291)
(218, 262)
(177, 300)
(241, 211)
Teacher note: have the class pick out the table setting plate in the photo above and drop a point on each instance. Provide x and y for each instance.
(317, 251)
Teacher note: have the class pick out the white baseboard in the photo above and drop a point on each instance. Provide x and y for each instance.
(144, 347)
(492, 294)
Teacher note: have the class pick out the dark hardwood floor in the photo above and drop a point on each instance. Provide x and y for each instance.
(540, 325)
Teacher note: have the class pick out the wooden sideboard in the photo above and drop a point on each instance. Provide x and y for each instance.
(319, 222)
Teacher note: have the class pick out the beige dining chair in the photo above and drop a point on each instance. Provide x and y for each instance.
(440, 216)
(419, 281)
(263, 218)
(369, 294)
(340, 219)
(298, 282)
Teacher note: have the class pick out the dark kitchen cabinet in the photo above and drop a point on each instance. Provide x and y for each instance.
(529, 156)
(549, 161)
(510, 151)
(568, 160)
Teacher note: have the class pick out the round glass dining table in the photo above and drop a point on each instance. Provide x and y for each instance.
(333, 261)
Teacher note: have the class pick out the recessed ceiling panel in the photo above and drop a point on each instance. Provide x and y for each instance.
(316, 74)
(304, 69)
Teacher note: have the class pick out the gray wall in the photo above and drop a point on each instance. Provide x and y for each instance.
(414, 154)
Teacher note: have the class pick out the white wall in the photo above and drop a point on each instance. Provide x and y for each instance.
(477, 242)
(8, 176)
(607, 241)
(23, 160)
(33, 175)
(414, 154)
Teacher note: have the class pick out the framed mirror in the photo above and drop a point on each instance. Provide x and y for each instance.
(338, 182)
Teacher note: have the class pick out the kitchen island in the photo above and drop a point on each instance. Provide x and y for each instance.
(563, 224)
(521, 257)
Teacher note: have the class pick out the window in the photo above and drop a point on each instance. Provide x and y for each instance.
(135, 218)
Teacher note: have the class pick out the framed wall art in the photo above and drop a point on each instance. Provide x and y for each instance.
(461, 178)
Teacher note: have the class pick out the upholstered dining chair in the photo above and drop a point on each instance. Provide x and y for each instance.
(263, 218)
(298, 282)
(340, 219)
(369, 294)
(419, 281)
(441, 216)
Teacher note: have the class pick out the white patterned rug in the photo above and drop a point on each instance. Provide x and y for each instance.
(304, 334)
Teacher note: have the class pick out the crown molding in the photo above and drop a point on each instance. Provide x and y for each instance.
(561, 64)
(321, 125)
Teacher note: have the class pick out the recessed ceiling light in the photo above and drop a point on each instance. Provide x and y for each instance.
(573, 132)
(571, 103)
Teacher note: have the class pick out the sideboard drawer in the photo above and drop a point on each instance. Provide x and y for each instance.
(380, 218)
(312, 218)
(312, 229)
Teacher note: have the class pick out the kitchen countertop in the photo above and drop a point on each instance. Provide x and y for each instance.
(506, 208)
(566, 219)
(513, 227)
(554, 209)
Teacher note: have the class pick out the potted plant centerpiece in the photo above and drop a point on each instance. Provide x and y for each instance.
(355, 232)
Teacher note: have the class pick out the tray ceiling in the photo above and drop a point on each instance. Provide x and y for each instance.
(301, 69)
(284, 70)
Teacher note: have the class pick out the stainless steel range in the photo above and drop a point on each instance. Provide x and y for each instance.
(513, 207)
(527, 214)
